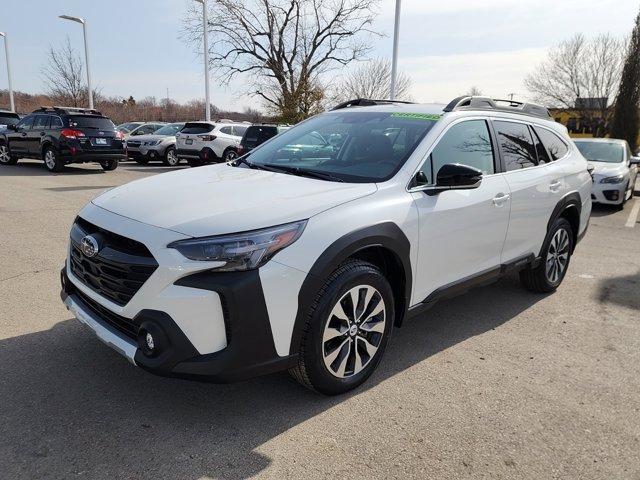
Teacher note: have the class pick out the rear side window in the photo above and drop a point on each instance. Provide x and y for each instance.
(543, 156)
(41, 122)
(467, 143)
(88, 121)
(56, 122)
(556, 147)
(226, 130)
(516, 145)
(196, 128)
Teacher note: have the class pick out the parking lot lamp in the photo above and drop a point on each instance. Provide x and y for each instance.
(86, 52)
(394, 60)
(205, 41)
(6, 55)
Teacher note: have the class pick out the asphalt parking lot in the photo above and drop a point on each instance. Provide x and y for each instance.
(497, 383)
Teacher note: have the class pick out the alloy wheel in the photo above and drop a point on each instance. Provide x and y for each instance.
(4, 154)
(354, 330)
(172, 158)
(50, 159)
(557, 255)
(231, 155)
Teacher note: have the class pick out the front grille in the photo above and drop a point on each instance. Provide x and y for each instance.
(120, 268)
(133, 144)
(124, 325)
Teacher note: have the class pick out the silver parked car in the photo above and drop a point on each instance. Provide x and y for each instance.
(160, 145)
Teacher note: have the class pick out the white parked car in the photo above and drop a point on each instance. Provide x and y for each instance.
(135, 129)
(206, 142)
(304, 255)
(615, 169)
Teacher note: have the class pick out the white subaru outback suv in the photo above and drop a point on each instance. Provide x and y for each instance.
(303, 255)
(206, 142)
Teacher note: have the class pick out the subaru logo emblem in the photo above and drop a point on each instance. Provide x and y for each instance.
(89, 246)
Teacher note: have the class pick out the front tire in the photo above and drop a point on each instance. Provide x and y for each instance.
(5, 156)
(109, 165)
(555, 257)
(171, 157)
(347, 329)
(51, 160)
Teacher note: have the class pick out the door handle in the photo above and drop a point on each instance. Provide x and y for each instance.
(24, 134)
(42, 134)
(500, 199)
(555, 185)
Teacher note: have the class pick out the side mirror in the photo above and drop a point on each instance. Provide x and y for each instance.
(12, 127)
(457, 176)
(635, 160)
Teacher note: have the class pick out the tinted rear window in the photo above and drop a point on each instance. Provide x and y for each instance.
(88, 121)
(258, 135)
(194, 127)
(556, 147)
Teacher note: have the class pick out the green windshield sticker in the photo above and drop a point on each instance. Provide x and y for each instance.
(418, 116)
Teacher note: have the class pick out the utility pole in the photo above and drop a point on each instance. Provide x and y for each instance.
(394, 60)
(6, 55)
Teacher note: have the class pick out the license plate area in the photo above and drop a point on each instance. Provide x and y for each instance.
(100, 142)
(188, 141)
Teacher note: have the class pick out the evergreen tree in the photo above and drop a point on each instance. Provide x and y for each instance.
(625, 123)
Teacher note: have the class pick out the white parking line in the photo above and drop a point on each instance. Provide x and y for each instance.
(633, 215)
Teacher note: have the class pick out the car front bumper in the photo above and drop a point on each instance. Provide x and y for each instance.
(609, 193)
(207, 325)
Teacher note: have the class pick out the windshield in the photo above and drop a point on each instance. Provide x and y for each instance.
(86, 121)
(170, 129)
(360, 147)
(608, 152)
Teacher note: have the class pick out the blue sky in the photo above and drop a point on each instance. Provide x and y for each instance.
(446, 46)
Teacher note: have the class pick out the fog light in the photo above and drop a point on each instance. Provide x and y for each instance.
(150, 343)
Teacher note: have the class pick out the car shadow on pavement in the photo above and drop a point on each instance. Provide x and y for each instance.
(602, 210)
(71, 406)
(620, 290)
(35, 168)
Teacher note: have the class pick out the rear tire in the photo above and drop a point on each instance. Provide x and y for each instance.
(229, 155)
(341, 344)
(170, 157)
(109, 165)
(555, 257)
(5, 156)
(51, 160)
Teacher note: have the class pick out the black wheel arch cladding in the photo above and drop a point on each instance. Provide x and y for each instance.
(567, 204)
(385, 235)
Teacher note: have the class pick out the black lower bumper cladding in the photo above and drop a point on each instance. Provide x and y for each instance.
(250, 349)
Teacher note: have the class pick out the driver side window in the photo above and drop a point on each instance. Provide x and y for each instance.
(467, 143)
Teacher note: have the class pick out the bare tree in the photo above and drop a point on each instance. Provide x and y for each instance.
(474, 92)
(371, 80)
(283, 48)
(579, 68)
(63, 75)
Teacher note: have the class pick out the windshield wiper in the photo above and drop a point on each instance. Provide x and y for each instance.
(302, 172)
(249, 164)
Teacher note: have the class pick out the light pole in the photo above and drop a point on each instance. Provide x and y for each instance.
(205, 41)
(394, 60)
(86, 52)
(6, 55)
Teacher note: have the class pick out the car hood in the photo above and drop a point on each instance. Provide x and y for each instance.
(608, 169)
(220, 199)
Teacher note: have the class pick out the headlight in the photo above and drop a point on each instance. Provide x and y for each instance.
(153, 143)
(241, 251)
(616, 179)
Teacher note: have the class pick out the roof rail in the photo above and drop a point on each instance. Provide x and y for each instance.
(485, 103)
(58, 109)
(365, 102)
